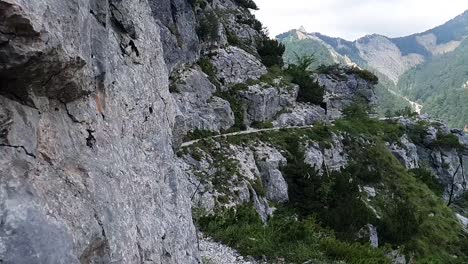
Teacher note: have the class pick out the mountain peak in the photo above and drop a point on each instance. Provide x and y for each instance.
(302, 29)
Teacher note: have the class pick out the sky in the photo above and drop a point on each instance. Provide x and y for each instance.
(351, 19)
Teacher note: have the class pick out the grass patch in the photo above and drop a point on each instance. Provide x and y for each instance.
(297, 241)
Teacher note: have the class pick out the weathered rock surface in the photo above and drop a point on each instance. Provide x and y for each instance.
(87, 172)
(261, 103)
(254, 168)
(342, 89)
(406, 152)
(178, 26)
(269, 161)
(234, 65)
(447, 163)
(327, 159)
(199, 108)
(300, 115)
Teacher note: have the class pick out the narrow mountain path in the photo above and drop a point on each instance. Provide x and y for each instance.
(246, 132)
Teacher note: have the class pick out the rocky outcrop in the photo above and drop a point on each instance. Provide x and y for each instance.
(447, 161)
(327, 159)
(406, 152)
(342, 88)
(234, 65)
(87, 172)
(235, 176)
(300, 115)
(199, 108)
(261, 103)
(269, 161)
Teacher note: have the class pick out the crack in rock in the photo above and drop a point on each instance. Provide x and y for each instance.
(19, 147)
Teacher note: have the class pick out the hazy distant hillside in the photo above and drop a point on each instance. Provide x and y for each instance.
(441, 86)
(298, 42)
(395, 60)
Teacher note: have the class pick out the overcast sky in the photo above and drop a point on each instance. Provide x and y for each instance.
(351, 19)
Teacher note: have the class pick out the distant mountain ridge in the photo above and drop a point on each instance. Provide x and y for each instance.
(391, 56)
(401, 64)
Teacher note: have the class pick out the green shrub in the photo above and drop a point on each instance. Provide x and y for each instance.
(271, 52)
(262, 125)
(199, 134)
(418, 132)
(338, 71)
(428, 178)
(208, 28)
(400, 222)
(247, 4)
(448, 141)
(406, 112)
(334, 198)
(209, 69)
(232, 39)
(309, 90)
(357, 110)
(363, 74)
(237, 108)
(257, 185)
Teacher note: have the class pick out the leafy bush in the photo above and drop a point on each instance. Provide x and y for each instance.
(208, 28)
(336, 69)
(418, 132)
(406, 112)
(335, 199)
(309, 90)
(428, 178)
(247, 4)
(271, 52)
(232, 39)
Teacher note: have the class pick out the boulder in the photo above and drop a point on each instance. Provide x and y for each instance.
(234, 65)
(261, 103)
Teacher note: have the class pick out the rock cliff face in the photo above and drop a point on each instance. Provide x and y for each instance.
(87, 172)
(96, 96)
(434, 146)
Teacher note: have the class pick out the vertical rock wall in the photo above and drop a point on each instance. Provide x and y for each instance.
(87, 170)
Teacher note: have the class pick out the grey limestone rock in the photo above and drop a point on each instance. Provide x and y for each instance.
(178, 26)
(326, 159)
(87, 171)
(342, 89)
(406, 152)
(300, 115)
(198, 107)
(234, 65)
(261, 103)
(269, 161)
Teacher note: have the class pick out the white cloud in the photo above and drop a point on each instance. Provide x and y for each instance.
(352, 19)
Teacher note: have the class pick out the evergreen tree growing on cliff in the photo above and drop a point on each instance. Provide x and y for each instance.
(310, 90)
